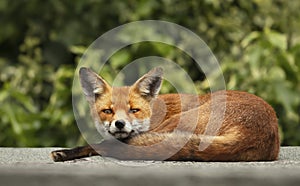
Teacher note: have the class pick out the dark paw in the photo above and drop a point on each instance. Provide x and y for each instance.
(58, 156)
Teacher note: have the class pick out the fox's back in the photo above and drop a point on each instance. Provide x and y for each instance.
(235, 107)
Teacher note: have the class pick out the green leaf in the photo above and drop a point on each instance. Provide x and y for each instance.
(250, 38)
(277, 39)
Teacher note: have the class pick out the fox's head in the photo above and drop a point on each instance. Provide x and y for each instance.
(123, 111)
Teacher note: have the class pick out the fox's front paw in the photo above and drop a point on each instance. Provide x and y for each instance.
(58, 155)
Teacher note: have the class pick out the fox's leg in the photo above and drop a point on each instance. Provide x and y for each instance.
(182, 146)
(177, 146)
(74, 153)
(137, 148)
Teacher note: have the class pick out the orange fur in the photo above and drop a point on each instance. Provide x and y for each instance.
(182, 126)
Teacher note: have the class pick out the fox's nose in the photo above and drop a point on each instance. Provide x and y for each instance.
(120, 124)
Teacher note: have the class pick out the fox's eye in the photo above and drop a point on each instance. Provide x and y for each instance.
(134, 110)
(107, 111)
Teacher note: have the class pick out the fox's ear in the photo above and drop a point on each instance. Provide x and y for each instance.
(91, 83)
(149, 84)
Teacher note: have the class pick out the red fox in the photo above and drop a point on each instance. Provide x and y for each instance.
(173, 125)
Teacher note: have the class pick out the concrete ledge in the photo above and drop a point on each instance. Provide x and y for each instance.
(32, 166)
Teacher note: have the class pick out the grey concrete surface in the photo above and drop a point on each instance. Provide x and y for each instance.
(33, 166)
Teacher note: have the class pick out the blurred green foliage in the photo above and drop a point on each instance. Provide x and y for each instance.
(257, 43)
